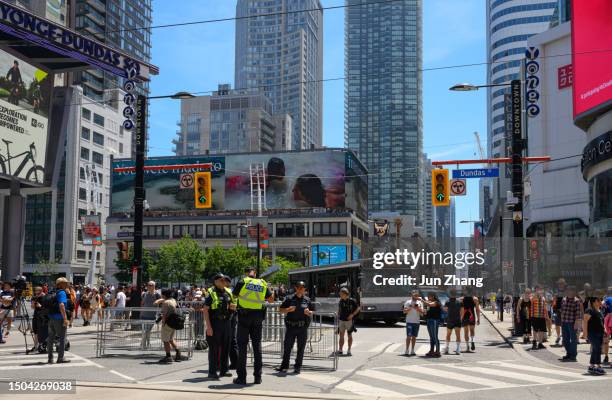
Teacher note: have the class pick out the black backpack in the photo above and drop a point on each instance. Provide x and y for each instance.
(176, 321)
(49, 303)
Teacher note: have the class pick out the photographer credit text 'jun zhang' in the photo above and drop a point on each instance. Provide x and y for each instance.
(459, 260)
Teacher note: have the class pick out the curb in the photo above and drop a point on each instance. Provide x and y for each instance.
(506, 339)
(231, 392)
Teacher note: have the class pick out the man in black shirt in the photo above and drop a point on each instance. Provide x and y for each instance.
(298, 309)
(454, 316)
(347, 310)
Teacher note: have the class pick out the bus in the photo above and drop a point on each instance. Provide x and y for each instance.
(378, 303)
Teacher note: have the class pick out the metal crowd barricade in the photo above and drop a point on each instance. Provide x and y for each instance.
(321, 348)
(133, 331)
(199, 322)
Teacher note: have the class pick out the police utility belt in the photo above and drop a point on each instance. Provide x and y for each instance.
(297, 324)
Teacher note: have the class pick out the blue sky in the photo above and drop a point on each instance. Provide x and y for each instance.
(197, 58)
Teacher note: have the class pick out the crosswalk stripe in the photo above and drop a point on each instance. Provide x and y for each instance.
(422, 350)
(508, 374)
(412, 382)
(45, 365)
(349, 385)
(379, 348)
(569, 374)
(394, 348)
(492, 383)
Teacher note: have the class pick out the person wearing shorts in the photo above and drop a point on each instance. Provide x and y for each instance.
(168, 307)
(470, 318)
(347, 310)
(413, 309)
(538, 315)
(556, 308)
(454, 315)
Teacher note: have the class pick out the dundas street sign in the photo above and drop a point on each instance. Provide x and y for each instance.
(475, 173)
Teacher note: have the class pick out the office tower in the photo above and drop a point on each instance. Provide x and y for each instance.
(55, 10)
(281, 54)
(123, 24)
(231, 121)
(429, 211)
(383, 100)
(509, 24)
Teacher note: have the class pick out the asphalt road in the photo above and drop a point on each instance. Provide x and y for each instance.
(376, 369)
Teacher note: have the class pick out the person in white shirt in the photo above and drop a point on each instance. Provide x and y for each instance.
(413, 309)
(119, 302)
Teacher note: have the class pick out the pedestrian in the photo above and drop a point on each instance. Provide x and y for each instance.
(85, 303)
(593, 328)
(347, 310)
(149, 300)
(471, 318)
(499, 304)
(571, 316)
(217, 314)
(607, 311)
(59, 319)
(433, 317)
(298, 310)
(522, 315)
(538, 315)
(252, 294)
(454, 315)
(413, 309)
(556, 308)
(233, 347)
(7, 309)
(40, 322)
(168, 311)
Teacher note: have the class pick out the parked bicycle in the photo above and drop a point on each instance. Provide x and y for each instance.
(36, 173)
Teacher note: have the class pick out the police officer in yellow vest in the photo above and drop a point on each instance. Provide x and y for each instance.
(252, 294)
(218, 307)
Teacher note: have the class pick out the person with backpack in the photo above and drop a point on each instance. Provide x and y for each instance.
(59, 319)
(168, 316)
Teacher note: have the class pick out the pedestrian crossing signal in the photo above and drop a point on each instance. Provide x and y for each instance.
(203, 190)
(440, 188)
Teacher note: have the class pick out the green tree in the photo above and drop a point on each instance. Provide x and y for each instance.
(124, 275)
(230, 261)
(282, 275)
(180, 262)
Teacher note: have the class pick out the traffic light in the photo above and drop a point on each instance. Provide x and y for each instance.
(203, 190)
(124, 251)
(440, 188)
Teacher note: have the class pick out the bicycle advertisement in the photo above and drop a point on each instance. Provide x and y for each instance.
(25, 93)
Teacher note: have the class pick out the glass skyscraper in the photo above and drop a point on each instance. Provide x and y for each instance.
(281, 54)
(383, 100)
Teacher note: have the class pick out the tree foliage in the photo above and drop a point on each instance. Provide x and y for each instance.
(282, 275)
(179, 262)
(124, 275)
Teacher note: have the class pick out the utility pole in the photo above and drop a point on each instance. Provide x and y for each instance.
(518, 146)
(139, 191)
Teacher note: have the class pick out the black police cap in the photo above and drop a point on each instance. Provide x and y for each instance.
(299, 284)
(218, 276)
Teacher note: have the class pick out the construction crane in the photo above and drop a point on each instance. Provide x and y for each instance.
(479, 147)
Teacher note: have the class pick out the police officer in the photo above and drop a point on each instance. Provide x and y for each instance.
(298, 310)
(233, 346)
(217, 313)
(252, 294)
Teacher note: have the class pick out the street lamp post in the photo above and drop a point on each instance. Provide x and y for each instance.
(139, 163)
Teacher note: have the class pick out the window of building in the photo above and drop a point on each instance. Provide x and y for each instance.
(329, 229)
(79, 235)
(98, 138)
(97, 158)
(221, 230)
(98, 119)
(86, 114)
(85, 133)
(82, 194)
(156, 232)
(291, 230)
(84, 153)
(194, 231)
(81, 254)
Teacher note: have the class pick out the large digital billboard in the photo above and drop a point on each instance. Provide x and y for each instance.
(332, 179)
(25, 93)
(592, 58)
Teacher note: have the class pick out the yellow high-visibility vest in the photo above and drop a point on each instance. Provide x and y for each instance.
(252, 295)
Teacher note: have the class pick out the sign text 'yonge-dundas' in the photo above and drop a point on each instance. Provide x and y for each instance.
(18, 22)
(598, 150)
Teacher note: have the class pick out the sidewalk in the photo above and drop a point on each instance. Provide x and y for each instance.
(15, 338)
(551, 354)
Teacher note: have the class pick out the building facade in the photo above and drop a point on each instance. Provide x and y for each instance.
(281, 53)
(429, 211)
(383, 101)
(123, 24)
(53, 233)
(231, 121)
(510, 23)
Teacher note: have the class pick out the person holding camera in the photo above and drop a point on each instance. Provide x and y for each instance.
(59, 319)
(413, 309)
(40, 321)
(218, 307)
(168, 310)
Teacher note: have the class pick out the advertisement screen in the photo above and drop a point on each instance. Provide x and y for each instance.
(167, 189)
(24, 106)
(293, 180)
(92, 230)
(592, 58)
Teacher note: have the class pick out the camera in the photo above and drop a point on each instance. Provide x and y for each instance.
(20, 284)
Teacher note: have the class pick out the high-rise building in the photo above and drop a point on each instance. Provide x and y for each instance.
(231, 121)
(383, 100)
(55, 10)
(281, 53)
(429, 211)
(509, 24)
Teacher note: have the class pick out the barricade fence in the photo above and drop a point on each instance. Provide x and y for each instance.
(199, 322)
(136, 330)
(321, 347)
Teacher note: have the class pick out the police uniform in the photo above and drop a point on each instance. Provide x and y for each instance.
(296, 328)
(252, 294)
(218, 301)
